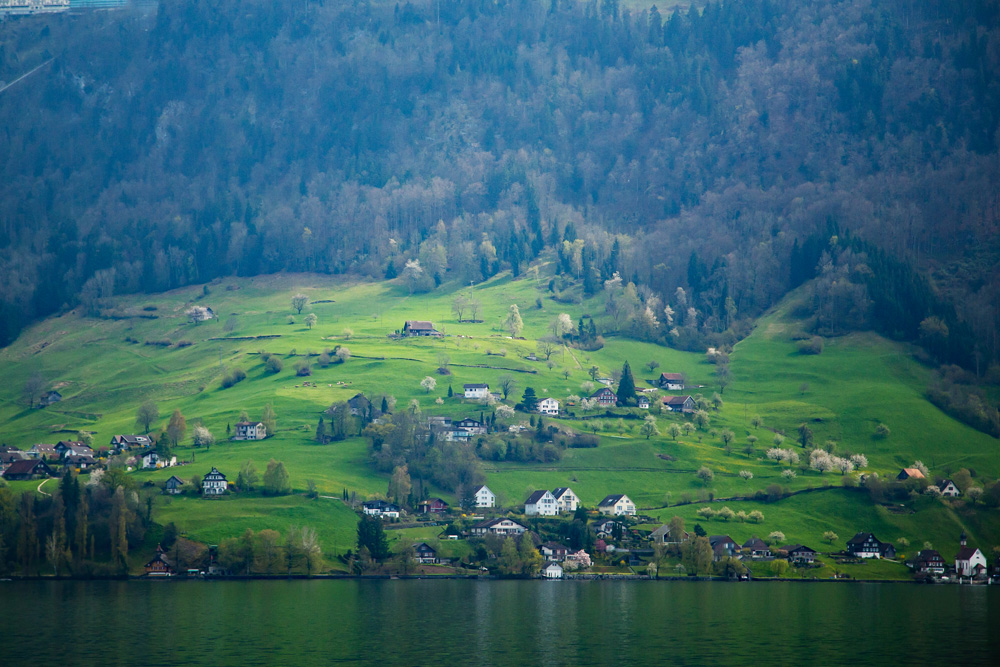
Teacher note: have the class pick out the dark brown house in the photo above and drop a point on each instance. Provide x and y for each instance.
(27, 469)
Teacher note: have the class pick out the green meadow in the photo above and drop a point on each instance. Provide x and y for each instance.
(105, 368)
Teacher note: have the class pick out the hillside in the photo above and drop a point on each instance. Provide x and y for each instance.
(105, 368)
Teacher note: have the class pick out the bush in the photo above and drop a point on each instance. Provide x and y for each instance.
(584, 441)
(274, 364)
(234, 377)
(303, 369)
(812, 346)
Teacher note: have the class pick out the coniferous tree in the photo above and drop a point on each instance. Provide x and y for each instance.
(626, 387)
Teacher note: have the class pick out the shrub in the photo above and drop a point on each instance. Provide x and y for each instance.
(584, 441)
(812, 346)
(274, 364)
(303, 369)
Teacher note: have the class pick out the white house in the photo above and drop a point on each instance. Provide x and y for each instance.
(553, 571)
(498, 527)
(250, 431)
(484, 497)
(617, 505)
(214, 483)
(969, 562)
(476, 390)
(672, 381)
(549, 406)
(381, 508)
(541, 503)
(150, 460)
(644, 402)
(568, 502)
(948, 489)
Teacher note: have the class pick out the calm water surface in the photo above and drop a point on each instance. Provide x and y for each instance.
(457, 622)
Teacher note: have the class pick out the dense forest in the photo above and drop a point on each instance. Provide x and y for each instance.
(696, 165)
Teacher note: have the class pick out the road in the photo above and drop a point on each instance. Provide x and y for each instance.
(26, 75)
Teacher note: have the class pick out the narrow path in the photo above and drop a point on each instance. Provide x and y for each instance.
(42, 483)
(26, 74)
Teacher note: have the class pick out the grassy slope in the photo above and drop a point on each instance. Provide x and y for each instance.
(858, 381)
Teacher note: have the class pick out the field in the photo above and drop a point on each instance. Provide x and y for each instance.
(105, 368)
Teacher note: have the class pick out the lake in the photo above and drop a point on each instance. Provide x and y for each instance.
(451, 622)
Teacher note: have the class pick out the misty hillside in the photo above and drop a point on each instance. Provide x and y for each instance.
(714, 150)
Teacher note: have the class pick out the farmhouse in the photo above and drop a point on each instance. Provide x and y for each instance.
(27, 469)
(671, 381)
(433, 506)
(549, 406)
(160, 566)
(866, 545)
(381, 508)
(484, 497)
(617, 505)
(949, 489)
(498, 527)
(43, 451)
(928, 561)
(360, 406)
(723, 546)
(662, 536)
(77, 449)
(799, 554)
(644, 403)
(909, 473)
(48, 398)
(78, 461)
(419, 328)
(150, 460)
(214, 483)
(568, 502)
(541, 503)
(969, 562)
(425, 553)
(9, 456)
(756, 548)
(476, 390)
(250, 431)
(121, 443)
(605, 397)
(679, 403)
(65, 445)
(173, 485)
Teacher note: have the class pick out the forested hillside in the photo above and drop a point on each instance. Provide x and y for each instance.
(714, 150)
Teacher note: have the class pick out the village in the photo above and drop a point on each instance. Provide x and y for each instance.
(552, 534)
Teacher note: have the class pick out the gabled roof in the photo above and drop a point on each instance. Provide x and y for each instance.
(475, 385)
(561, 491)
(489, 523)
(535, 497)
(553, 546)
(249, 423)
(672, 377)
(26, 467)
(861, 538)
(603, 391)
(214, 475)
(382, 505)
(928, 555)
(175, 478)
(966, 553)
(419, 325)
(480, 488)
(42, 447)
(793, 548)
(914, 473)
(132, 439)
(755, 544)
(611, 500)
(675, 400)
(721, 539)
(423, 546)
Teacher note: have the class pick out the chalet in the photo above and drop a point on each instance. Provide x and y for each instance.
(250, 431)
(671, 381)
(969, 562)
(425, 553)
(43, 451)
(48, 398)
(548, 406)
(611, 528)
(484, 497)
(150, 460)
(471, 425)
(605, 397)
(949, 489)
(683, 404)
(360, 406)
(617, 505)
(64, 446)
(552, 571)
(644, 403)
(381, 508)
(27, 469)
(476, 390)
(799, 554)
(214, 483)
(160, 566)
(77, 449)
(121, 443)
(723, 546)
(662, 536)
(433, 506)
(909, 473)
(9, 456)
(498, 527)
(553, 551)
(419, 328)
(541, 503)
(79, 461)
(756, 548)
(928, 561)
(568, 502)
(866, 545)
(173, 485)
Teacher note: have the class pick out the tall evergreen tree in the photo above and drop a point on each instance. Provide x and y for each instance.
(626, 387)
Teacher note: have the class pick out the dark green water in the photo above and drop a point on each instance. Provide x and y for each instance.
(458, 622)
